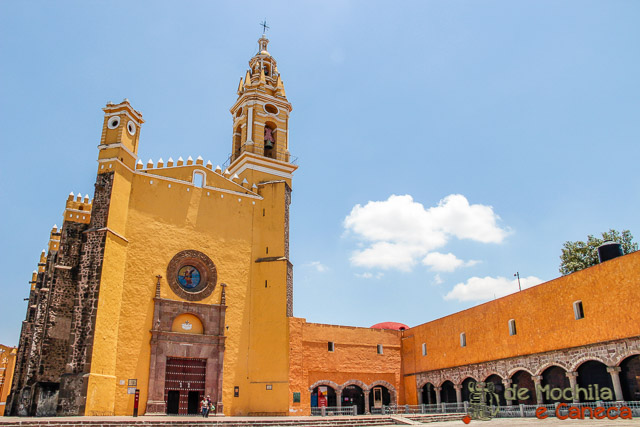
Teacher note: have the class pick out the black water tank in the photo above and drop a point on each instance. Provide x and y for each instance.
(609, 250)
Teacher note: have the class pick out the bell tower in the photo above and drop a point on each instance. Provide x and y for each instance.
(261, 112)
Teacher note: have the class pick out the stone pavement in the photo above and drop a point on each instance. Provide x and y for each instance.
(381, 421)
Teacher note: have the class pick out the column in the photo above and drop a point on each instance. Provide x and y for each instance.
(419, 394)
(537, 383)
(339, 398)
(250, 126)
(573, 383)
(506, 382)
(614, 371)
(366, 402)
(437, 390)
(458, 388)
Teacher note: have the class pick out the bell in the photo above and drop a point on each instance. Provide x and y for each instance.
(268, 144)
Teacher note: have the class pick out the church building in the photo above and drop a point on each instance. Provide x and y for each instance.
(174, 280)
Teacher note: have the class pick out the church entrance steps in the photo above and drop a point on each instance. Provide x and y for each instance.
(402, 420)
(164, 421)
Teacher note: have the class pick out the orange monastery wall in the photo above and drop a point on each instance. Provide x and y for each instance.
(354, 357)
(544, 318)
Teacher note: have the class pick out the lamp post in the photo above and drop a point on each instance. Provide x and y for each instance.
(518, 276)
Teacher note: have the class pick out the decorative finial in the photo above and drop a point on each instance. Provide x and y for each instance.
(264, 25)
(223, 295)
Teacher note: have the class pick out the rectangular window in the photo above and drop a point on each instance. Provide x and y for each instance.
(578, 310)
(330, 346)
(512, 327)
(424, 348)
(463, 340)
(379, 348)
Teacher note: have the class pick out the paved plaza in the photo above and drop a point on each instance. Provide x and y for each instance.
(301, 421)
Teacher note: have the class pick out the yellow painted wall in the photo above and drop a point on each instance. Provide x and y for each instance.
(155, 214)
(7, 365)
(544, 319)
(187, 323)
(354, 357)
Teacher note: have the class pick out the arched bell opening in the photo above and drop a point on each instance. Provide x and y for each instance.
(270, 140)
(237, 142)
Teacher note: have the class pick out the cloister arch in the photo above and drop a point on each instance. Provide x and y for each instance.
(447, 392)
(555, 377)
(593, 372)
(522, 379)
(629, 373)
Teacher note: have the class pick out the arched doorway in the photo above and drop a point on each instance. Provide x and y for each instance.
(353, 395)
(590, 373)
(523, 380)
(630, 378)
(465, 388)
(448, 392)
(323, 395)
(428, 394)
(498, 387)
(555, 377)
(379, 396)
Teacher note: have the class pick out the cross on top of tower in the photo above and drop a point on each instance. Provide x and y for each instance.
(265, 27)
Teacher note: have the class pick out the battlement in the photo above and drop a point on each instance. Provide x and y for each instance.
(78, 208)
(185, 172)
(54, 238)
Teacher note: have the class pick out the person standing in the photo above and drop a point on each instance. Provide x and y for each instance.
(204, 407)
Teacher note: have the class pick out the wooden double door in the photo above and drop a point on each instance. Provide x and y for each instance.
(184, 385)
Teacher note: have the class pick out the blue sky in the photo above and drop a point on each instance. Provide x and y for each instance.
(442, 146)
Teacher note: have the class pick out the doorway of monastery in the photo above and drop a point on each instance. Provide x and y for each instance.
(429, 394)
(353, 395)
(630, 378)
(184, 385)
(379, 396)
(323, 395)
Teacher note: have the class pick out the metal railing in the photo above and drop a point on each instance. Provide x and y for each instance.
(331, 411)
(511, 411)
(277, 154)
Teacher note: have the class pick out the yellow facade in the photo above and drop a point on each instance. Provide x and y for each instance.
(7, 364)
(236, 217)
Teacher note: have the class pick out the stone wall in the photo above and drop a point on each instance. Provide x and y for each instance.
(72, 389)
(610, 353)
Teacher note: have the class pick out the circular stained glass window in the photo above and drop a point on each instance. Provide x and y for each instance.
(188, 277)
(192, 275)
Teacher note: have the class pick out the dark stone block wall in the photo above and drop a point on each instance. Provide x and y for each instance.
(56, 338)
(73, 389)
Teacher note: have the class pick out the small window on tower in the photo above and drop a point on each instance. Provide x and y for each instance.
(380, 349)
(463, 340)
(424, 348)
(330, 346)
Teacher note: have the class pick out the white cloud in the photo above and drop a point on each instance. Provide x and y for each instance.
(368, 275)
(445, 262)
(400, 231)
(437, 280)
(320, 268)
(486, 288)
